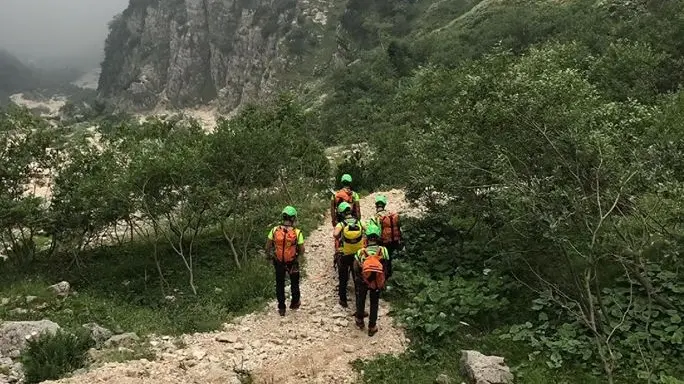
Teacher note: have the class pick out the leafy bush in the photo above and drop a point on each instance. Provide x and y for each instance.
(440, 308)
(362, 169)
(50, 356)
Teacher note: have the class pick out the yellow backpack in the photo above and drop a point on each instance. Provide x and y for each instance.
(352, 234)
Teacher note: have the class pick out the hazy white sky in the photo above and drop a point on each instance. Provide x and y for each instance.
(56, 28)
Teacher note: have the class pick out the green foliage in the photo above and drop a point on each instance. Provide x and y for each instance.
(550, 174)
(50, 356)
(24, 155)
(442, 308)
(158, 224)
(362, 168)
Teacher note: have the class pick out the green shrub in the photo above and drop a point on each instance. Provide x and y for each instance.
(362, 170)
(51, 356)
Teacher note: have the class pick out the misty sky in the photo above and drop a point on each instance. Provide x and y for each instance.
(56, 28)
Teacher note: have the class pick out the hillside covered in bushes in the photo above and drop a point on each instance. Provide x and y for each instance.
(544, 138)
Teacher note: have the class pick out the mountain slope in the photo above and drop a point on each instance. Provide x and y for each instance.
(14, 75)
(184, 53)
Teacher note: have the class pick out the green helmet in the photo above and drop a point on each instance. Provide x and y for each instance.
(290, 211)
(381, 200)
(346, 178)
(343, 207)
(373, 230)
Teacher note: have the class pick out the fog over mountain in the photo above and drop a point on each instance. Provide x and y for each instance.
(57, 32)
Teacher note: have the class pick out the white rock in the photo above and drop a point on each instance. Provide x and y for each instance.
(97, 333)
(123, 339)
(227, 338)
(341, 322)
(61, 289)
(482, 369)
(348, 348)
(198, 354)
(13, 334)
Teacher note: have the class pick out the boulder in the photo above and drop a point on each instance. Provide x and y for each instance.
(122, 340)
(14, 335)
(98, 333)
(61, 289)
(481, 369)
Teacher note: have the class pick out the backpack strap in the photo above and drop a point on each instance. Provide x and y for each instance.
(391, 216)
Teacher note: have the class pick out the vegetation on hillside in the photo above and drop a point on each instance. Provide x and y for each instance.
(155, 225)
(545, 139)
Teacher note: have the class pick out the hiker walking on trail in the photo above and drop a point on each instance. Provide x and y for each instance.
(285, 246)
(346, 195)
(370, 264)
(390, 229)
(348, 236)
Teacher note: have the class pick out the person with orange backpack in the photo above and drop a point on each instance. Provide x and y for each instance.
(345, 195)
(390, 228)
(370, 266)
(285, 246)
(348, 235)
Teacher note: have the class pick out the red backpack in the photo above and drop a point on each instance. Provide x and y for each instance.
(372, 271)
(285, 240)
(389, 223)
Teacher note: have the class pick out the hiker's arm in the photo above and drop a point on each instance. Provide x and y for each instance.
(357, 209)
(269, 247)
(300, 250)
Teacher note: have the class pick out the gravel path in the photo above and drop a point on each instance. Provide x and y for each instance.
(314, 344)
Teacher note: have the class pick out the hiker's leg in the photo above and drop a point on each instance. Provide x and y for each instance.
(360, 299)
(294, 282)
(280, 283)
(374, 302)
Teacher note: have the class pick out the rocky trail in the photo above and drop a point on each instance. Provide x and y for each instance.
(314, 344)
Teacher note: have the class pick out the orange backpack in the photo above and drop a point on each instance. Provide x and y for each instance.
(343, 195)
(390, 228)
(372, 271)
(285, 240)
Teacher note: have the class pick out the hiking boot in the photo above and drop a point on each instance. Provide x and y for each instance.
(372, 330)
(360, 323)
(281, 311)
(343, 303)
(295, 305)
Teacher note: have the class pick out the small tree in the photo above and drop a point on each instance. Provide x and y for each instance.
(25, 155)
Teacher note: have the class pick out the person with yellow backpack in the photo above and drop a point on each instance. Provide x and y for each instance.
(348, 236)
(370, 272)
(345, 195)
(390, 229)
(285, 246)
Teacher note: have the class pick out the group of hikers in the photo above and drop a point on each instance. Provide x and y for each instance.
(363, 251)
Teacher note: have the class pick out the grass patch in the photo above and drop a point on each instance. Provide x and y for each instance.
(412, 368)
(119, 287)
(50, 356)
(119, 355)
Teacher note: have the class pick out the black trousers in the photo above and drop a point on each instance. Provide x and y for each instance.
(345, 268)
(362, 292)
(281, 269)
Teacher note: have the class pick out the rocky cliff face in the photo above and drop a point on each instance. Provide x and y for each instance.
(188, 52)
